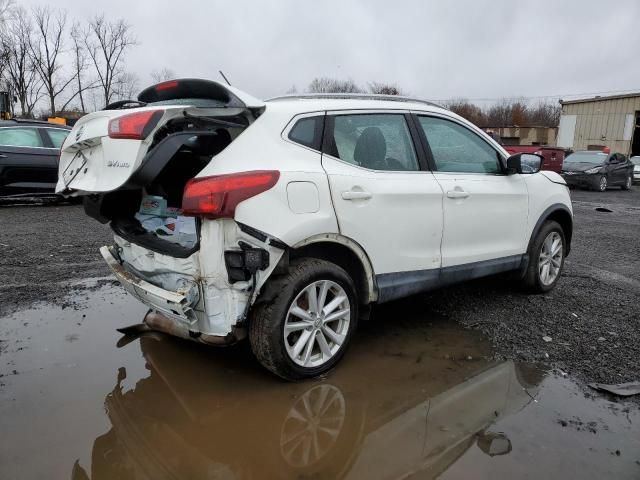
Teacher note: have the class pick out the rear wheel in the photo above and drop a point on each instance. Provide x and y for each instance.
(546, 258)
(627, 183)
(301, 325)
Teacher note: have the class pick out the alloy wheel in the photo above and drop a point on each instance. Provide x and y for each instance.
(317, 323)
(550, 259)
(312, 425)
(603, 184)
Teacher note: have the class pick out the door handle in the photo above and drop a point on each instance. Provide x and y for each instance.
(356, 195)
(457, 194)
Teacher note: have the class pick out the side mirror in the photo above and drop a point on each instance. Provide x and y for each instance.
(524, 163)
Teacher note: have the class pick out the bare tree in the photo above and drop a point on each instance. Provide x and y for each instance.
(20, 72)
(333, 85)
(162, 75)
(79, 63)
(384, 88)
(125, 86)
(106, 43)
(467, 110)
(46, 48)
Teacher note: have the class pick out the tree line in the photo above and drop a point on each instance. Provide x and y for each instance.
(503, 113)
(47, 58)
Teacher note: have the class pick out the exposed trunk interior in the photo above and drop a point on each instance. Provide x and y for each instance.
(179, 151)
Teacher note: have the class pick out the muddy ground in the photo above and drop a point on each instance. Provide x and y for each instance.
(592, 317)
(430, 387)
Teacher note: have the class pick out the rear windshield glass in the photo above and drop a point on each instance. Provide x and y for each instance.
(196, 102)
(596, 158)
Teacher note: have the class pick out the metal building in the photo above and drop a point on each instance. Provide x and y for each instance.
(595, 123)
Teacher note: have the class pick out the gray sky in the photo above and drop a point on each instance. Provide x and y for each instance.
(432, 49)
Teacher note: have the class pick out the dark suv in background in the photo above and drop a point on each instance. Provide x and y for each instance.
(29, 151)
(597, 170)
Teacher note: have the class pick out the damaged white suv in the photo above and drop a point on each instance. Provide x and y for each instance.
(285, 220)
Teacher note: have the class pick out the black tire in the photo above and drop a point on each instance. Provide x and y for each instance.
(532, 280)
(602, 184)
(268, 315)
(628, 182)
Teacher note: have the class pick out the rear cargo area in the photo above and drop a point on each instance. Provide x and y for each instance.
(147, 210)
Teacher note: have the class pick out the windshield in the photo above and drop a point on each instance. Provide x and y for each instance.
(597, 158)
(635, 160)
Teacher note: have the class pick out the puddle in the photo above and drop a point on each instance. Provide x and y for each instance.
(416, 397)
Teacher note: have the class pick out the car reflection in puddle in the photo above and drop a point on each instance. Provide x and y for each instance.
(189, 419)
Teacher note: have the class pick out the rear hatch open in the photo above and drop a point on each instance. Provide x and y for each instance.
(132, 160)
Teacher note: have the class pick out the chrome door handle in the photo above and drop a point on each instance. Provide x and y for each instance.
(356, 195)
(457, 194)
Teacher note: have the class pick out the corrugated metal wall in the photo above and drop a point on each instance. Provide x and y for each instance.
(601, 122)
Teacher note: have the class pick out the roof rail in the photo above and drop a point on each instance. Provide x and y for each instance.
(25, 120)
(353, 96)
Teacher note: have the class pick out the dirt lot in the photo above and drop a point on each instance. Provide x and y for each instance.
(428, 389)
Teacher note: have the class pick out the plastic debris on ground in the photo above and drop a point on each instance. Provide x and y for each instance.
(621, 389)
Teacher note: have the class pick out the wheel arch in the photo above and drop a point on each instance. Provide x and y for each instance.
(561, 214)
(345, 253)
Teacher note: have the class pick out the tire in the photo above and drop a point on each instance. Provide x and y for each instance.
(534, 280)
(602, 184)
(272, 311)
(628, 183)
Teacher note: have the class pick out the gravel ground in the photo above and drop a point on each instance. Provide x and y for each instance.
(592, 317)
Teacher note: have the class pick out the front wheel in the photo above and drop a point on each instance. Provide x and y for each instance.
(303, 321)
(546, 258)
(602, 184)
(627, 183)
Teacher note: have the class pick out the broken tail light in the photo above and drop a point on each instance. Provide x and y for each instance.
(134, 126)
(219, 195)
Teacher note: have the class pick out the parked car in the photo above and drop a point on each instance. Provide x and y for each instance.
(636, 168)
(308, 209)
(29, 151)
(553, 156)
(597, 170)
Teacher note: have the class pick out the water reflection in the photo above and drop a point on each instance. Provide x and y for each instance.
(381, 415)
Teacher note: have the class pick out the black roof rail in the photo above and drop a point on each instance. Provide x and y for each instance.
(26, 120)
(353, 96)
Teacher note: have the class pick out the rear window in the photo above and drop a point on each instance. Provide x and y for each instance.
(20, 137)
(308, 132)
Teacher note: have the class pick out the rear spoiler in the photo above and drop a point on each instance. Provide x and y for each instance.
(227, 95)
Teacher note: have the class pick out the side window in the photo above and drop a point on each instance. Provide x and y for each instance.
(308, 132)
(458, 149)
(57, 136)
(20, 137)
(374, 141)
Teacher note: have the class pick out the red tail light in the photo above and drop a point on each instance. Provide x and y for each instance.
(134, 126)
(218, 196)
(166, 85)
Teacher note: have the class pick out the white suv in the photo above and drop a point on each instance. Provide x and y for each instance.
(285, 220)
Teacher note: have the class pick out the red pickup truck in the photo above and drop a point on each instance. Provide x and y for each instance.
(553, 156)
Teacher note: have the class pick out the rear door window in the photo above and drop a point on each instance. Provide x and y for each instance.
(57, 136)
(20, 137)
(373, 141)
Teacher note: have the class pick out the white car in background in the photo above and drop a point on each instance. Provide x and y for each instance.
(284, 220)
(636, 168)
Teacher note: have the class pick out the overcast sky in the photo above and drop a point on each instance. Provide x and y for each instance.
(431, 49)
